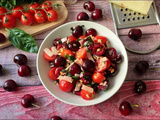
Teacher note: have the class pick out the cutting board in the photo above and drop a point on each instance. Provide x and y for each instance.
(37, 28)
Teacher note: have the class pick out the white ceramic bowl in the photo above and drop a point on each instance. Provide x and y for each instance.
(70, 98)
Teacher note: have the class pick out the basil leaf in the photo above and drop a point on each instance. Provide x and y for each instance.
(22, 40)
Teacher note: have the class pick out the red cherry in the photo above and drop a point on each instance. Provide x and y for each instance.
(82, 16)
(27, 100)
(135, 34)
(90, 6)
(125, 108)
(24, 70)
(96, 14)
(55, 118)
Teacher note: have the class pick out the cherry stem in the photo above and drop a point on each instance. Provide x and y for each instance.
(135, 105)
(35, 105)
(54, 5)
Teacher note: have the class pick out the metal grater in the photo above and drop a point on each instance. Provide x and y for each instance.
(125, 18)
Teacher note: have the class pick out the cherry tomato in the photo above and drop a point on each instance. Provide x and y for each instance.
(33, 6)
(8, 21)
(71, 38)
(52, 74)
(16, 13)
(52, 15)
(98, 77)
(103, 39)
(47, 5)
(67, 52)
(40, 16)
(81, 53)
(87, 95)
(82, 37)
(103, 65)
(65, 85)
(2, 11)
(47, 57)
(27, 18)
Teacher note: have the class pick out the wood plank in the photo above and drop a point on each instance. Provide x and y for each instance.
(36, 28)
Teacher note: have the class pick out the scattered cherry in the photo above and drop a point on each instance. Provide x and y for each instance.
(27, 100)
(141, 67)
(77, 31)
(90, 6)
(2, 38)
(59, 61)
(125, 108)
(96, 14)
(1, 70)
(55, 118)
(24, 70)
(20, 59)
(82, 16)
(135, 34)
(9, 85)
(140, 86)
(91, 31)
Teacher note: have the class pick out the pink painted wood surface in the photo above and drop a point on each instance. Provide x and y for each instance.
(10, 106)
(9, 102)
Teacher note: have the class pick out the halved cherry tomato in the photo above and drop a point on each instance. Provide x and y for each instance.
(52, 74)
(2, 11)
(47, 5)
(52, 15)
(71, 38)
(87, 95)
(98, 77)
(101, 66)
(102, 39)
(67, 52)
(27, 18)
(65, 85)
(33, 6)
(8, 21)
(47, 57)
(16, 11)
(40, 16)
(82, 37)
(81, 53)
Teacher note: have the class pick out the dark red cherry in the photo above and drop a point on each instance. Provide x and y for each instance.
(87, 78)
(98, 49)
(75, 69)
(24, 70)
(74, 45)
(82, 16)
(9, 85)
(91, 31)
(88, 65)
(55, 118)
(96, 14)
(57, 41)
(90, 6)
(140, 86)
(141, 67)
(112, 70)
(135, 34)
(2, 38)
(59, 61)
(125, 108)
(1, 70)
(77, 31)
(27, 100)
(58, 70)
(111, 53)
(20, 59)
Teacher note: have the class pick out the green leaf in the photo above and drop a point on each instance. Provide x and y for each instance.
(22, 40)
(56, 5)
(71, 58)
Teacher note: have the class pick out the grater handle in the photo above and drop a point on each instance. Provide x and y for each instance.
(114, 21)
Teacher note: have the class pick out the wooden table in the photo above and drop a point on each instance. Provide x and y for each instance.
(149, 102)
